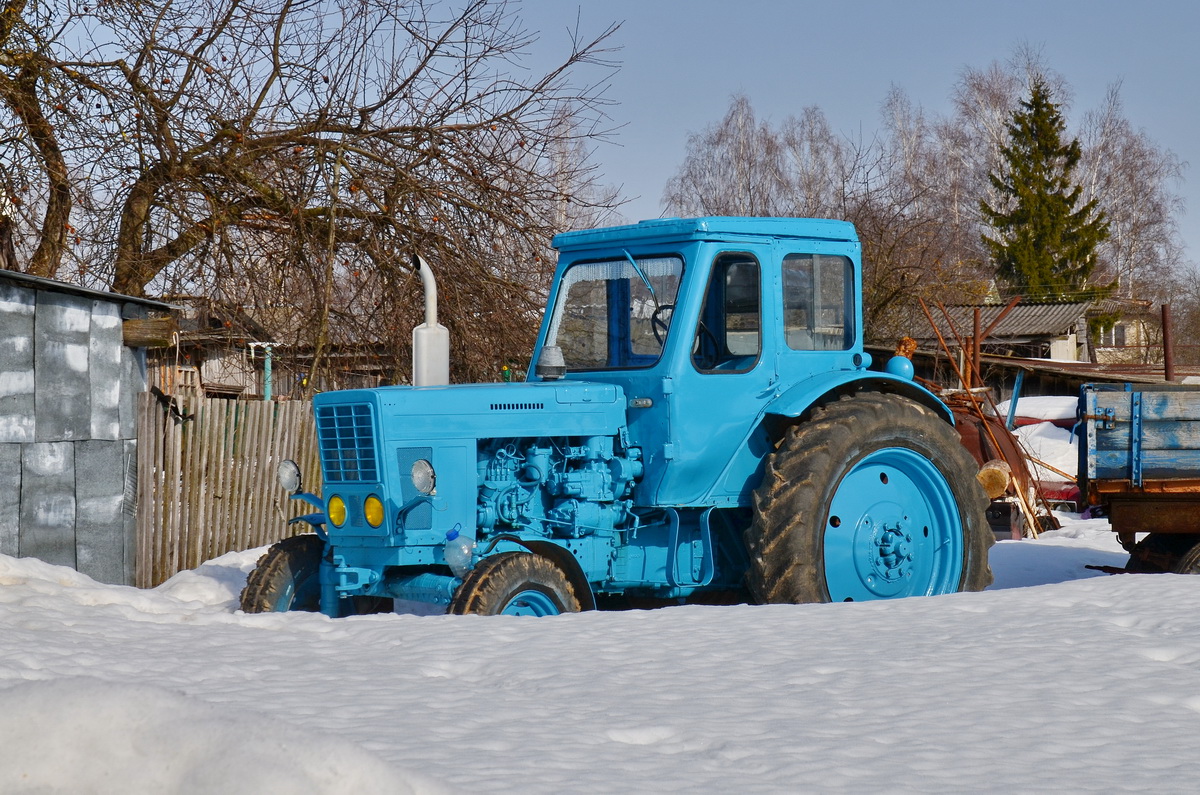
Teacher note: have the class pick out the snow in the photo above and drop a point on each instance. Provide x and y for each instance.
(1052, 445)
(1057, 678)
(1052, 407)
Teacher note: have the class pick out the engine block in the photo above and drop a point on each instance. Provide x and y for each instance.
(556, 487)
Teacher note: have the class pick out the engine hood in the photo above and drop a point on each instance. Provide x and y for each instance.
(543, 408)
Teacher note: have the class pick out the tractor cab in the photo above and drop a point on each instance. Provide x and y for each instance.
(700, 321)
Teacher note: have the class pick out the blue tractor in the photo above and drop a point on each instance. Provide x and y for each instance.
(701, 425)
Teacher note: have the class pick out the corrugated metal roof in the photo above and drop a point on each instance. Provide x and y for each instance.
(1024, 323)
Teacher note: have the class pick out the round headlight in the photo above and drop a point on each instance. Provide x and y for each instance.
(288, 475)
(423, 476)
(373, 510)
(337, 511)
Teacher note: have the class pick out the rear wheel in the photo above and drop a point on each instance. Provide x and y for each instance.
(286, 577)
(872, 498)
(515, 584)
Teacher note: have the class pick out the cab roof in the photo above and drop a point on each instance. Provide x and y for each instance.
(711, 228)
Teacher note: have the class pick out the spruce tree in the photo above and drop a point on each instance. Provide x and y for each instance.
(1043, 246)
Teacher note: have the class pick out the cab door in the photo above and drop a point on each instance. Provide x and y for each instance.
(723, 386)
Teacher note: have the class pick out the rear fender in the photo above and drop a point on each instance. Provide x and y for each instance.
(744, 471)
(822, 389)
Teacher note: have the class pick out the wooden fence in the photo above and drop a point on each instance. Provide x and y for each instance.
(206, 478)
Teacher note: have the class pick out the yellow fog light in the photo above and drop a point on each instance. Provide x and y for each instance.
(337, 511)
(373, 509)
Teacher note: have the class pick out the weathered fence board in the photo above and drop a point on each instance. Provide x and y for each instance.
(206, 475)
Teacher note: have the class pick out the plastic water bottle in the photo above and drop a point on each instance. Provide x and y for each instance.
(459, 552)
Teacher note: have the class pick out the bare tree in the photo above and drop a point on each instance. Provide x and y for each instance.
(1185, 313)
(804, 168)
(914, 189)
(821, 166)
(734, 167)
(910, 251)
(34, 87)
(1132, 179)
(297, 152)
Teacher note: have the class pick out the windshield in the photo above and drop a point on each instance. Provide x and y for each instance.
(609, 315)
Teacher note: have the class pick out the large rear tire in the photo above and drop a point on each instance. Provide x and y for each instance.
(515, 584)
(287, 577)
(872, 498)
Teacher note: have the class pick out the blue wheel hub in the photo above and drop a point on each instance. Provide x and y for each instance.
(894, 559)
(530, 603)
(893, 530)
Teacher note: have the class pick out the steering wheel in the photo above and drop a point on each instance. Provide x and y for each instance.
(658, 325)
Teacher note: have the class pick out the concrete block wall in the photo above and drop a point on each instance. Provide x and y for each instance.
(68, 431)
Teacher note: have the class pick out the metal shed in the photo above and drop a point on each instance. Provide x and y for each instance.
(68, 425)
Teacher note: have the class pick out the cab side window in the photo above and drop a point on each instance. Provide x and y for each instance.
(818, 309)
(729, 334)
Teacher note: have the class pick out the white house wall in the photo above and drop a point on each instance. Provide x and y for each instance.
(1064, 349)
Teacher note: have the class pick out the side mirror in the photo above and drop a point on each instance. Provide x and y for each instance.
(288, 475)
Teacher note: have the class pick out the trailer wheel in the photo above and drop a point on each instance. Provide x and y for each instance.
(515, 584)
(1189, 561)
(1159, 553)
(286, 577)
(874, 497)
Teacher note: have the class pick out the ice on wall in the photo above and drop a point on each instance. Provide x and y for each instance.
(104, 370)
(48, 502)
(62, 332)
(16, 364)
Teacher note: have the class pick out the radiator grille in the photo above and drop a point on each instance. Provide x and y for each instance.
(518, 406)
(347, 445)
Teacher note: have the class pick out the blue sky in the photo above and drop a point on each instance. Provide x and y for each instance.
(682, 60)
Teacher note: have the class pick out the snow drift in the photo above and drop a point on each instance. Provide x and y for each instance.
(1056, 678)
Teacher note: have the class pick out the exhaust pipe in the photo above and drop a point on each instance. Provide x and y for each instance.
(430, 340)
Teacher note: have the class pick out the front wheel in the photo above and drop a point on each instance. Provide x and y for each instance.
(515, 584)
(287, 577)
(872, 498)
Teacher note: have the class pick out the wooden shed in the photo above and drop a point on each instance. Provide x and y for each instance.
(68, 424)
